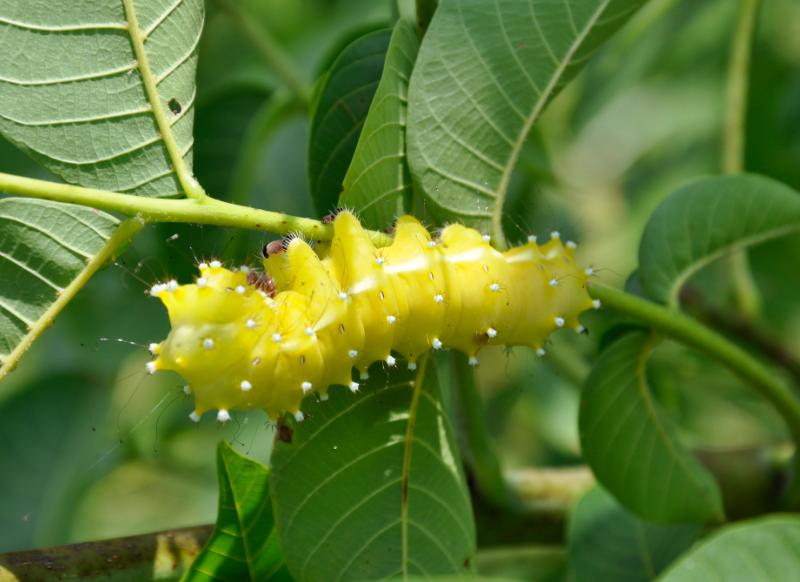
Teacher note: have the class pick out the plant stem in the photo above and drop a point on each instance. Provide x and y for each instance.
(686, 330)
(125, 231)
(733, 142)
(270, 50)
(162, 555)
(486, 465)
(206, 211)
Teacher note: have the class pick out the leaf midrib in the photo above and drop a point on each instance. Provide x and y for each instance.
(191, 187)
(541, 102)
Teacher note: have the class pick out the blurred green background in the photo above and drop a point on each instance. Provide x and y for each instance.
(92, 447)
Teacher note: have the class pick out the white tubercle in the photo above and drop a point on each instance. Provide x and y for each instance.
(203, 265)
(250, 324)
(554, 282)
(494, 287)
(532, 238)
(246, 386)
(597, 304)
(172, 285)
(208, 343)
(187, 389)
(299, 416)
(555, 235)
(354, 386)
(439, 298)
(150, 367)
(353, 354)
(240, 289)
(412, 365)
(491, 332)
(201, 282)
(194, 416)
(153, 348)
(223, 415)
(540, 352)
(306, 387)
(473, 361)
(571, 245)
(436, 343)
(215, 264)
(559, 321)
(342, 295)
(276, 337)
(309, 331)
(391, 319)
(390, 361)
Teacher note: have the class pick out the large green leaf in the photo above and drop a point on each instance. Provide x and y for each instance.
(370, 485)
(342, 100)
(633, 449)
(708, 219)
(485, 72)
(44, 246)
(378, 183)
(608, 543)
(244, 545)
(49, 455)
(102, 92)
(758, 550)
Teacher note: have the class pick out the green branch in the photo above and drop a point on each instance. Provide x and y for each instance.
(206, 211)
(269, 49)
(486, 465)
(691, 333)
(733, 142)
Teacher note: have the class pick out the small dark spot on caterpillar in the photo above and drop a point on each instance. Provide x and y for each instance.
(341, 328)
(302, 360)
(284, 433)
(174, 106)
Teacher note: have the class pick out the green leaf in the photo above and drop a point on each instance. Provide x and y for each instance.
(484, 74)
(340, 107)
(44, 247)
(49, 456)
(633, 449)
(102, 95)
(378, 183)
(758, 550)
(608, 543)
(244, 544)
(707, 219)
(370, 485)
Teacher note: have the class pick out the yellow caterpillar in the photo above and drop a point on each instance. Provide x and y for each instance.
(350, 304)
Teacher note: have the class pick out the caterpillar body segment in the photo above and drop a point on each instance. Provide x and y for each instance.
(350, 304)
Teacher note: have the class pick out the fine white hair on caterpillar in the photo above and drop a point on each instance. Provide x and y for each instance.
(346, 305)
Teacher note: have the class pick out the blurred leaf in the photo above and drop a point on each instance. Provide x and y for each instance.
(370, 485)
(707, 219)
(633, 449)
(608, 543)
(482, 79)
(74, 94)
(339, 108)
(377, 183)
(543, 563)
(758, 550)
(244, 545)
(48, 441)
(44, 246)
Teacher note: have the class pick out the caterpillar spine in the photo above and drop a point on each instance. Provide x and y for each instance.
(349, 304)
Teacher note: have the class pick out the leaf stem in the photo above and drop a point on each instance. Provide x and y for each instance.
(191, 187)
(686, 330)
(121, 236)
(733, 141)
(269, 49)
(206, 211)
(486, 465)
